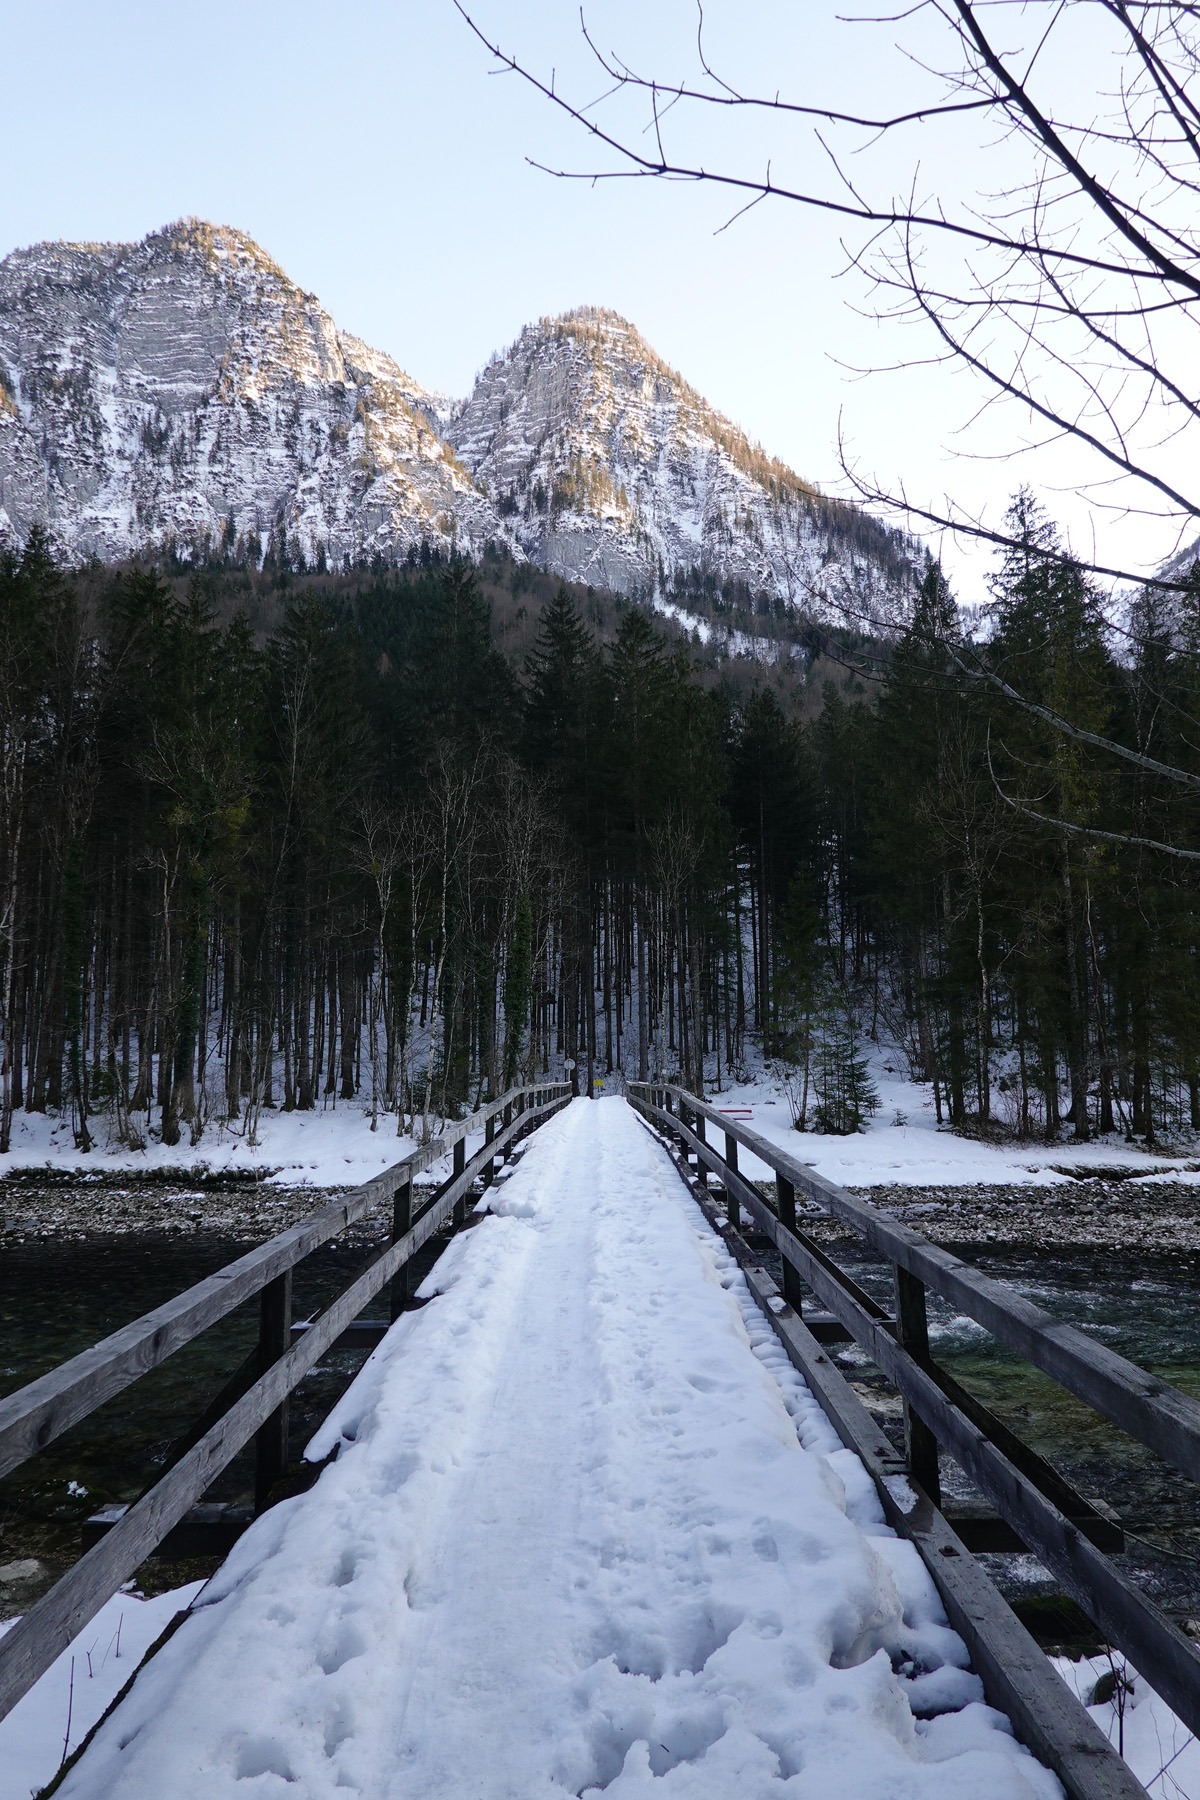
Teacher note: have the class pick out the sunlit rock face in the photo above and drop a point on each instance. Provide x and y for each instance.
(182, 393)
(608, 468)
(183, 389)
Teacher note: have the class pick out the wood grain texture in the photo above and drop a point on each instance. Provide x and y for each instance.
(1017, 1677)
(1154, 1412)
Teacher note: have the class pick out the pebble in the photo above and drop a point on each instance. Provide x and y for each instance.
(28, 1568)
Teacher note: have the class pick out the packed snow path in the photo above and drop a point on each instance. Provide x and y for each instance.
(586, 1530)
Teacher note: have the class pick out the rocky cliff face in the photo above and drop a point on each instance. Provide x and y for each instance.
(182, 391)
(609, 468)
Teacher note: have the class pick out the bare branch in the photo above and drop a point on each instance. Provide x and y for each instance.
(1167, 770)
(1127, 839)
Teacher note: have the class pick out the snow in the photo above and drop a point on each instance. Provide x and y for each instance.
(34, 1735)
(335, 1146)
(918, 1154)
(1158, 1747)
(331, 1148)
(586, 1530)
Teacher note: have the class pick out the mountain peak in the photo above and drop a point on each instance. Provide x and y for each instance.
(183, 391)
(610, 468)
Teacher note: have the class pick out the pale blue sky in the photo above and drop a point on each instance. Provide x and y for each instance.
(370, 150)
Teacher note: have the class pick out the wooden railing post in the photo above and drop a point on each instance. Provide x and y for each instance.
(785, 1205)
(401, 1226)
(460, 1163)
(733, 1211)
(274, 1340)
(912, 1333)
(489, 1168)
(701, 1166)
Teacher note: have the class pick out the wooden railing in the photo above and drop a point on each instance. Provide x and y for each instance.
(258, 1398)
(1068, 1533)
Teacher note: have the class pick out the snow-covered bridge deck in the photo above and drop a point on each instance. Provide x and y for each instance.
(587, 1529)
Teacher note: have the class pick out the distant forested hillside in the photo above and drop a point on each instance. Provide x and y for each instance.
(271, 840)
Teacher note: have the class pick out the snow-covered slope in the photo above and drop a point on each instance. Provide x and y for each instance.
(183, 391)
(611, 469)
(183, 388)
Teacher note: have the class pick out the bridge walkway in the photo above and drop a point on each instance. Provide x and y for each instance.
(586, 1530)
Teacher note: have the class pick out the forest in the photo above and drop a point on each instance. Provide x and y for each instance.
(345, 846)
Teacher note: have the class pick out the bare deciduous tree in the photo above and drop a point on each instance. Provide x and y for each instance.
(1069, 289)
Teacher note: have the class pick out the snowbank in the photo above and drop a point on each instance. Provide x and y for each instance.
(902, 1145)
(1158, 1747)
(334, 1147)
(586, 1531)
(86, 1679)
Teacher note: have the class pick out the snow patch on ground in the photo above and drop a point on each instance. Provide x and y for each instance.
(1158, 1747)
(334, 1147)
(82, 1684)
(586, 1532)
(916, 1153)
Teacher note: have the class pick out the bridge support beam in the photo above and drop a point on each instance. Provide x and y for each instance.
(401, 1226)
(912, 1332)
(274, 1340)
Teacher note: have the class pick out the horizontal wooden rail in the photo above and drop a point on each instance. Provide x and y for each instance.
(1153, 1411)
(1168, 1659)
(38, 1413)
(30, 1646)
(1017, 1677)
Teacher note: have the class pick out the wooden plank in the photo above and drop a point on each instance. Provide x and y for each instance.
(731, 1202)
(30, 1646)
(785, 1200)
(1096, 1520)
(1150, 1410)
(1169, 1660)
(206, 1530)
(1018, 1679)
(360, 1334)
(1098, 1523)
(36, 1414)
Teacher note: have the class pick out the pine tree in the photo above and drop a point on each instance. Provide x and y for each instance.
(845, 1094)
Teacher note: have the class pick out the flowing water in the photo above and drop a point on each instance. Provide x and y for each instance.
(56, 1298)
(1146, 1308)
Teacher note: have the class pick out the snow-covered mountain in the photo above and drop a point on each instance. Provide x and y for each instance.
(610, 469)
(183, 391)
(183, 388)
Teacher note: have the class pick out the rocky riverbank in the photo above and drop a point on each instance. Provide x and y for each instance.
(1152, 1215)
(1107, 1211)
(69, 1207)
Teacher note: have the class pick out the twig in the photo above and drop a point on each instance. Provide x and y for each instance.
(70, 1708)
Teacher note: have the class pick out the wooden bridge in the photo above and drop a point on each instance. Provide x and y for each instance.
(819, 1304)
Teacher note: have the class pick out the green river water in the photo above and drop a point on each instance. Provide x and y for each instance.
(57, 1298)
